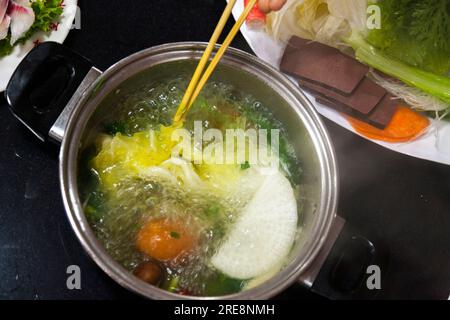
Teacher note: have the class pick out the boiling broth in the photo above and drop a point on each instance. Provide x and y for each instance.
(129, 198)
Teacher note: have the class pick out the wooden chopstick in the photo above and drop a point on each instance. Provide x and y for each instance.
(183, 108)
(196, 85)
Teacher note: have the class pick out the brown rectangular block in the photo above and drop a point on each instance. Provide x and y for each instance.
(380, 117)
(323, 65)
(363, 100)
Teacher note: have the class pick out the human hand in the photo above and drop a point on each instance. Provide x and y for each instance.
(270, 5)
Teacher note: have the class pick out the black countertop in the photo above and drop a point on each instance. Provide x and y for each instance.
(402, 200)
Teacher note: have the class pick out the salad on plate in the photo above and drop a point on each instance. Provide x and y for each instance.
(26, 23)
(21, 19)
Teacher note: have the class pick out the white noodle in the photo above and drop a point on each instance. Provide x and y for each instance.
(415, 98)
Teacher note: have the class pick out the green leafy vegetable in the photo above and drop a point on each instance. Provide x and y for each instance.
(173, 284)
(434, 84)
(175, 235)
(46, 13)
(213, 210)
(415, 32)
(116, 127)
(245, 166)
(5, 46)
(220, 284)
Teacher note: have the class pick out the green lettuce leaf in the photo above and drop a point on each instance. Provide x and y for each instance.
(416, 32)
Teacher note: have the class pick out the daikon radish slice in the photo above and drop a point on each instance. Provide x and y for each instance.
(263, 235)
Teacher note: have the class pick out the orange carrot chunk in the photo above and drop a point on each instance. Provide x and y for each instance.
(165, 240)
(406, 125)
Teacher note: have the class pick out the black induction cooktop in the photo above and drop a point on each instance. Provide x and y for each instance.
(397, 208)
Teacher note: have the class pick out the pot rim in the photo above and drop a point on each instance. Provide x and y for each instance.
(307, 113)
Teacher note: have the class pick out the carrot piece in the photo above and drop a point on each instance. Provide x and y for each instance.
(406, 125)
(165, 240)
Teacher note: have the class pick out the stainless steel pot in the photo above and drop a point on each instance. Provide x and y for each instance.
(71, 115)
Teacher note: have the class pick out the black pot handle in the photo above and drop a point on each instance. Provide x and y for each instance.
(340, 269)
(309, 276)
(43, 84)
